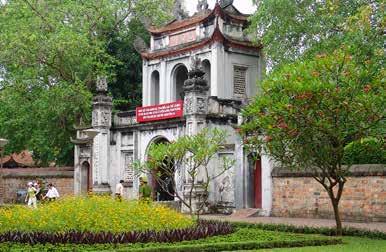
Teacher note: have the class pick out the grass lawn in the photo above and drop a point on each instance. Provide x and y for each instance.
(351, 244)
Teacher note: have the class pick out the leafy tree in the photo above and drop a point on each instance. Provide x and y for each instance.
(189, 156)
(51, 52)
(126, 87)
(291, 29)
(309, 111)
(326, 89)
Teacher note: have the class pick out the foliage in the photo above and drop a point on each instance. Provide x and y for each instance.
(311, 110)
(308, 111)
(190, 156)
(202, 230)
(350, 244)
(95, 214)
(365, 151)
(290, 30)
(243, 238)
(48, 46)
(125, 86)
(28, 118)
(347, 231)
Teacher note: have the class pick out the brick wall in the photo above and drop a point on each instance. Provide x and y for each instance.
(16, 179)
(363, 199)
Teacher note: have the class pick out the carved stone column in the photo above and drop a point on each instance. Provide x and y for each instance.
(101, 121)
(196, 98)
(195, 111)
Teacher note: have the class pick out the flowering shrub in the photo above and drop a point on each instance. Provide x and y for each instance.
(93, 214)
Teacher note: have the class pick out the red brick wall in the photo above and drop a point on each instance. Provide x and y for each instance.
(363, 199)
(16, 179)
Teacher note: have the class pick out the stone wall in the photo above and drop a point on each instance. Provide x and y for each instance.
(363, 199)
(16, 180)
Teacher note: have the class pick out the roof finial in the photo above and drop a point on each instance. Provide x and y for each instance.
(202, 5)
(225, 3)
(178, 11)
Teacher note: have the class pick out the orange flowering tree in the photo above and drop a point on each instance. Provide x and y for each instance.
(307, 112)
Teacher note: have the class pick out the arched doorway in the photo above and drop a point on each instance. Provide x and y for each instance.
(206, 68)
(180, 74)
(85, 178)
(155, 88)
(162, 181)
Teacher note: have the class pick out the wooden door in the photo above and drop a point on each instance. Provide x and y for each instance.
(258, 184)
(85, 178)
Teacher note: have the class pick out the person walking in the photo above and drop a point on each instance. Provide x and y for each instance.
(39, 192)
(30, 198)
(119, 190)
(52, 193)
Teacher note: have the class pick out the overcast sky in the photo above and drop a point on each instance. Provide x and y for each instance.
(244, 6)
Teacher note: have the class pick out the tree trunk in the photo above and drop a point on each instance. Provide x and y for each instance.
(335, 205)
(334, 199)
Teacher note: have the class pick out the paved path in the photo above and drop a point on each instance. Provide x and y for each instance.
(373, 226)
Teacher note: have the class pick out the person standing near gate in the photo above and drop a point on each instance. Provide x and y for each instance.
(31, 196)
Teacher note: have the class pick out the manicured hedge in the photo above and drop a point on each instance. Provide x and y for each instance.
(241, 239)
(347, 231)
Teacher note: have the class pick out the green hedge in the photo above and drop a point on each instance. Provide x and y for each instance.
(224, 246)
(242, 239)
(233, 246)
(347, 231)
(365, 151)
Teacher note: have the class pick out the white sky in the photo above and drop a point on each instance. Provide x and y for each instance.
(244, 6)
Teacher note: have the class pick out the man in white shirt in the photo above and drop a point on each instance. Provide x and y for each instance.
(52, 193)
(119, 190)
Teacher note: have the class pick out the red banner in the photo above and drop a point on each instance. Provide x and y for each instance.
(159, 112)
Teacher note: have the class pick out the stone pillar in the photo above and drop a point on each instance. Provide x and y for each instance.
(195, 111)
(196, 98)
(101, 121)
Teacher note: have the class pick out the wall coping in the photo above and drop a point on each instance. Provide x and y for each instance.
(46, 172)
(361, 170)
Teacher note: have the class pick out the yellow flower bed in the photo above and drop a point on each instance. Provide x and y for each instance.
(92, 214)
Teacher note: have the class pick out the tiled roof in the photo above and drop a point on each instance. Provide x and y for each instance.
(217, 36)
(22, 159)
(197, 18)
(184, 23)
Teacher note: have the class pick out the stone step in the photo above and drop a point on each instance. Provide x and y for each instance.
(246, 212)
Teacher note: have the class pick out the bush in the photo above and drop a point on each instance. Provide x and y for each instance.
(313, 230)
(242, 238)
(366, 151)
(94, 214)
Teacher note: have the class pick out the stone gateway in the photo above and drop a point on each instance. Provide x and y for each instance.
(198, 73)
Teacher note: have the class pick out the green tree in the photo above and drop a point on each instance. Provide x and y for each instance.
(51, 52)
(309, 111)
(190, 157)
(326, 89)
(126, 87)
(291, 29)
